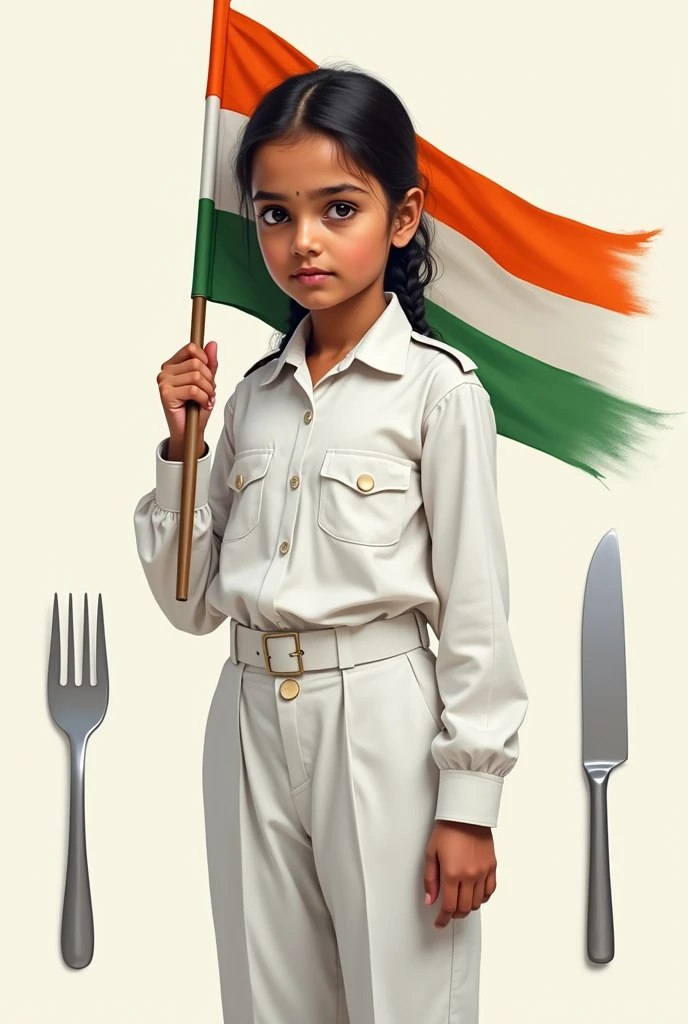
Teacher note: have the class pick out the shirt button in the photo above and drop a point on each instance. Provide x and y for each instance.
(365, 482)
(308, 417)
(284, 547)
(294, 482)
(239, 481)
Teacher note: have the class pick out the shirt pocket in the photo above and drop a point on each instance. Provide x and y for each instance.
(247, 481)
(363, 496)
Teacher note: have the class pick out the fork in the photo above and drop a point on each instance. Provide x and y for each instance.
(78, 711)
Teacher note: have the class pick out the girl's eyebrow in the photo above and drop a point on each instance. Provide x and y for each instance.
(316, 193)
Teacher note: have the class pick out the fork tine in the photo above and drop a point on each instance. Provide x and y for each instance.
(102, 676)
(70, 645)
(54, 656)
(86, 656)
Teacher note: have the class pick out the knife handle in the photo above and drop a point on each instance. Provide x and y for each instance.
(600, 914)
(77, 913)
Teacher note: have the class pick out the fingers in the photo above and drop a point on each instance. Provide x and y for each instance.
(470, 897)
(211, 352)
(191, 359)
(490, 884)
(450, 894)
(193, 377)
(189, 351)
(431, 878)
(467, 868)
(208, 408)
(462, 895)
(173, 371)
(478, 894)
(173, 397)
(189, 375)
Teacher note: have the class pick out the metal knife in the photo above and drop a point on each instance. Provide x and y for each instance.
(605, 726)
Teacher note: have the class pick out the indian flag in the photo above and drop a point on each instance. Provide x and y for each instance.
(537, 300)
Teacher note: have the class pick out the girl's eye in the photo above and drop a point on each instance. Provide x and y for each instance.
(281, 211)
(269, 209)
(347, 206)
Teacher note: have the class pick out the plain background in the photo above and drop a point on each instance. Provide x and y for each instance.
(578, 109)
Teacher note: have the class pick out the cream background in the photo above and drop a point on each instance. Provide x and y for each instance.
(577, 109)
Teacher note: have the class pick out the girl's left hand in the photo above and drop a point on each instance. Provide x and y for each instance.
(459, 857)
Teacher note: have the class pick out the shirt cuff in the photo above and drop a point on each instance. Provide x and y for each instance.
(469, 796)
(168, 480)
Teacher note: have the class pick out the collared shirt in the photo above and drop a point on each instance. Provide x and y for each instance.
(366, 496)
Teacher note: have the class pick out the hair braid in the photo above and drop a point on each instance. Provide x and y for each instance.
(409, 271)
(402, 276)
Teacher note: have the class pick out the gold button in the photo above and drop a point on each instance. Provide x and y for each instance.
(308, 417)
(289, 689)
(294, 482)
(284, 547)
(365, 482)
(239, 481)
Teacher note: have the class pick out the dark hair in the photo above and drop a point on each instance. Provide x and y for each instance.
(371, 127)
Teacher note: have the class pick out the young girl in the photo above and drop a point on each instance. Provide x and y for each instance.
(351, 777)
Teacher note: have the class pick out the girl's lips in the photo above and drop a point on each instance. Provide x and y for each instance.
(312, 278)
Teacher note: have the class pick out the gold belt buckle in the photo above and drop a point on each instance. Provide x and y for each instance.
(298, 653)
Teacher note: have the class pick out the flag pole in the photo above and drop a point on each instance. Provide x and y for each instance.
(200, 290)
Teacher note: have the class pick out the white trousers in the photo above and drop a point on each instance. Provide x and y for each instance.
(318, 810)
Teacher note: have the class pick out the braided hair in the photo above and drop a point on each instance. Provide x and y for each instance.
(371, 129)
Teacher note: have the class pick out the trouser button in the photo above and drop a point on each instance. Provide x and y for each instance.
(289, 689)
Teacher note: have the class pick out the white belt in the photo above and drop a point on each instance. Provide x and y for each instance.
(290, 653)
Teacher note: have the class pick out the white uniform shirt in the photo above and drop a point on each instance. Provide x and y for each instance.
(285, 539)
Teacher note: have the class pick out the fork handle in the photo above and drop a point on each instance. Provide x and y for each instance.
(77, 911)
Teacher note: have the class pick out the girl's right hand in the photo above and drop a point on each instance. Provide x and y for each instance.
(188, 374)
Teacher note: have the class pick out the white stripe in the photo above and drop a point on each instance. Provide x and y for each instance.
(574, 336)
(226, 193)
(211, 127)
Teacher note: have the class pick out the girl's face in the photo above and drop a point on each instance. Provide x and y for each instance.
(313, 212)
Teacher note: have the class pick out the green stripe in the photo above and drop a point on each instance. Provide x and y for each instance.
(536, 404)
(204, 254)
(556, 412)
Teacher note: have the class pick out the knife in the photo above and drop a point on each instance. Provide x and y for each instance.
(605, 726)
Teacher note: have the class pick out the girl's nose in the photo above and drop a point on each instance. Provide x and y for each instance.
(305, 239)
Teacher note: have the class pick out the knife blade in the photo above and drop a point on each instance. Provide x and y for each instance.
(605, 726)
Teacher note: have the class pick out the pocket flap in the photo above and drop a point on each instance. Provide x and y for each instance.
(249, 466)
(358, 469)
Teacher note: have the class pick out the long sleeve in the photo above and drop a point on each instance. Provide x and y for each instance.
(484, 696)
(156, 523)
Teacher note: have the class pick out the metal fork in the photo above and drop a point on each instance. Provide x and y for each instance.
(78, 711)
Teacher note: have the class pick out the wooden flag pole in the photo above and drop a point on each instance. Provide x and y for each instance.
(190, 462)
(201, 280)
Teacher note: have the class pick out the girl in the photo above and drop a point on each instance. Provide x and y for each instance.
(351, 777)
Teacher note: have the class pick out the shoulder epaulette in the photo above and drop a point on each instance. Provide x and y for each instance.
(263, 361)
(464, 361)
